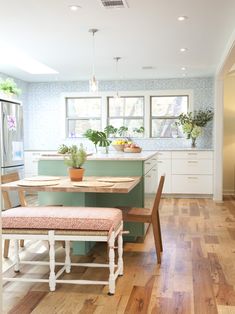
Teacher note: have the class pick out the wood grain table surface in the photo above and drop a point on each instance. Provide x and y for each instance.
(65, 185)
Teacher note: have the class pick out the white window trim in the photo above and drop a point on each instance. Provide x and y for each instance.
(104, 103)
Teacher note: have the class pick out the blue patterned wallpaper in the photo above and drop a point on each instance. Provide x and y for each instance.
(43, 109)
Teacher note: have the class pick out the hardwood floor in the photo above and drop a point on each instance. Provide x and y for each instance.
(197, 274)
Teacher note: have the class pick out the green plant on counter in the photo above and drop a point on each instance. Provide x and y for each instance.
(76, 157)
(98, 138)
(122, 131)
(139, 130)
(9, 87)
(63, 149)
(110, 130)
(192, 123)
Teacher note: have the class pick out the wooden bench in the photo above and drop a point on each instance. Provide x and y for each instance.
(65, 224)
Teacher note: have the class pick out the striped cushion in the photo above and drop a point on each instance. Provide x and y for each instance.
(62, 218)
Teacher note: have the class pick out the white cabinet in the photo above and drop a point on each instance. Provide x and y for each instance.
(31, 162)
(192, 172)
(164, 167)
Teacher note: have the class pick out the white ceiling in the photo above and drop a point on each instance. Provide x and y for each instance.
(146, 34)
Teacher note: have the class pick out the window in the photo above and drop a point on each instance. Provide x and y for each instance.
(164, 113)
(127, 111)
(82, 114)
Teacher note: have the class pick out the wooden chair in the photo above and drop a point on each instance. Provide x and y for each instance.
(146, 215)
(6, 178)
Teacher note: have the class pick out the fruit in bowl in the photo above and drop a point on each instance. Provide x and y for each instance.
(119, 144)
(131, 147)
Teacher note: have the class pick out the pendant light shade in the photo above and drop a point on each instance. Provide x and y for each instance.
(117, 98)
(93, 83)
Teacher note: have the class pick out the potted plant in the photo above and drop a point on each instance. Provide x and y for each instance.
(193, 122)
(75, 159)
(98, 138)
(9, 87)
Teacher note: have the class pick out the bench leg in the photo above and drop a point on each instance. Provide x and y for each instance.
(120, 253)
(111, 265)
(16, 257)
(52, 279)
(67, 257)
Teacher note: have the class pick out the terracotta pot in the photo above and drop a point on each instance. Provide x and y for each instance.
(76, 174)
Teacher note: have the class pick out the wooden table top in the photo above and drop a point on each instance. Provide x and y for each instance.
(65, 185)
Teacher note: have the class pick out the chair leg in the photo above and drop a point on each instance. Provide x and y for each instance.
(159, 230)
(6, 248)
(157, 240)
(111, 265)
(21, 243)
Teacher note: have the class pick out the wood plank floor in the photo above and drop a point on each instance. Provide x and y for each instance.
(197, 274)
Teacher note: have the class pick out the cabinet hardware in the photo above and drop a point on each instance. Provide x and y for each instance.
(160, 161)
(148, 176)
(192, 154)
(192, 162)
(154, 169)
(148, 163)
(193, 178)
(154, 158)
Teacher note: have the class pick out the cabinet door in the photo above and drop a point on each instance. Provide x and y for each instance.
(164, 167)
(192, 184)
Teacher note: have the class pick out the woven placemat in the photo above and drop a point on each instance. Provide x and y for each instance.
(42, 178)
(37, 183)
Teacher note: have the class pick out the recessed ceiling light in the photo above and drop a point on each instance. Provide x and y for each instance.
(183, 68)
(183, 49)
(74, 7)
(182, 18)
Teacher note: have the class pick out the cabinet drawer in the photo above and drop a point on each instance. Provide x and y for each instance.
(192, 166)
(193, 155)
(192, 184)
(164, 155)
(149, 163)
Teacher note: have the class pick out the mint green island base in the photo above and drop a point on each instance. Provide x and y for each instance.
(97, 168)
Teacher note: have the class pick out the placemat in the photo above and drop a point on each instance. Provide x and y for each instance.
(91, 184)
(42, 178)
(116, 179)
(37, 183)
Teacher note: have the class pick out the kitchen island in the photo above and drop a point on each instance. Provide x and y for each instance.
(112, 164)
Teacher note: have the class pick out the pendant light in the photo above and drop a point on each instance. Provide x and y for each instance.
(117, 98)
(93, 83)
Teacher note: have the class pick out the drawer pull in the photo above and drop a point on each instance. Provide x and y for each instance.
(148, 163)
(192, 154)
(160, 161)
(192, 162)
(154, 169)
(148, 176)
(154, 158)
(194, 178)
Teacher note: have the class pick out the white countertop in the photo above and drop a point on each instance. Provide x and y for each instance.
(144, 155)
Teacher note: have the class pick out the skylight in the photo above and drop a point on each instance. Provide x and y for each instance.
(19, 59)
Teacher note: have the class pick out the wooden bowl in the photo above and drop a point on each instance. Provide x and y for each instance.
(132, 149)
(118, 147)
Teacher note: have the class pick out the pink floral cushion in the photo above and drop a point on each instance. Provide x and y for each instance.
(66, 218)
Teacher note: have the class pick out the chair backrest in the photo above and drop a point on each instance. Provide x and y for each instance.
(158, 196)
(6, 178)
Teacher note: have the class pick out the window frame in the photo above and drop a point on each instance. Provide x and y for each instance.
(165, 117)
(78, 118)
(104, 105)
(126, 117)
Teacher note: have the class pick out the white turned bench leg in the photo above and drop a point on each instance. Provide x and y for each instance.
(120, 253)
(67, 257)
(16, 257)
(52, 278)
(111, 264)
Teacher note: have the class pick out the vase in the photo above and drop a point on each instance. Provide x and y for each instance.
(193, 143)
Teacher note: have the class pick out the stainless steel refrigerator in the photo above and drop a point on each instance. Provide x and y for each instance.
(11, 140)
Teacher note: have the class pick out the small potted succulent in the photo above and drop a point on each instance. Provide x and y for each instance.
(75, 159)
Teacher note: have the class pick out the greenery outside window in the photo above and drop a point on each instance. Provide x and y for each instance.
(82, 113)
(164, 113)
(126, 111)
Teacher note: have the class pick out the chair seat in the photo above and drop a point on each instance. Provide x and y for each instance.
(136, 213)
(62, 218)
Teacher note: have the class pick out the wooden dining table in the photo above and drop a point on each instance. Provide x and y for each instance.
(65, 185)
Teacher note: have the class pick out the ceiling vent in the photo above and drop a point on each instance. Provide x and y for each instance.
(113, 4)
